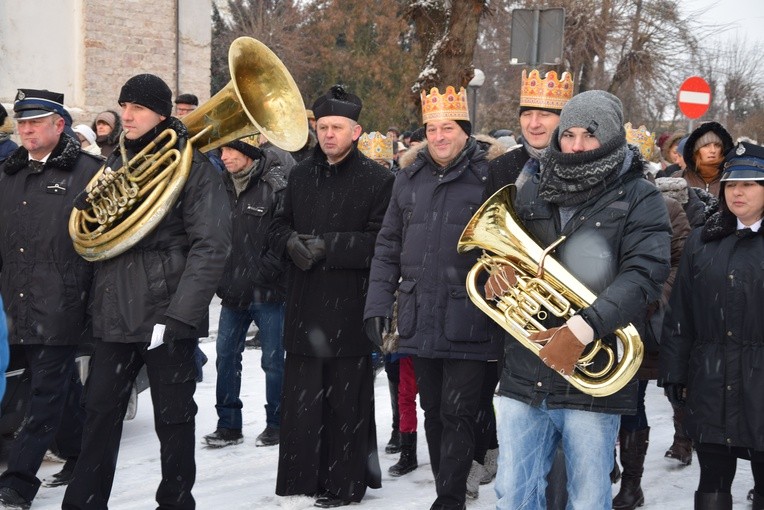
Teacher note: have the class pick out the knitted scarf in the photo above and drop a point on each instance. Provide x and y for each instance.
(572, 179)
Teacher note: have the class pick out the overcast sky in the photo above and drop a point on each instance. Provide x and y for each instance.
(745, 16)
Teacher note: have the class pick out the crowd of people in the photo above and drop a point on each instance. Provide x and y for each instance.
(345, 252)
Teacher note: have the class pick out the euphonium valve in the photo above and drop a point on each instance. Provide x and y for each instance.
(541, 286)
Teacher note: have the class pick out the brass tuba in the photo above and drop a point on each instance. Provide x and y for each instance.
(124, 205)
(543, 286)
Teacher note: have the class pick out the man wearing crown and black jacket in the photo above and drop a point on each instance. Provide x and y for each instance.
(333, 209)
(165, 281)
(45, 285)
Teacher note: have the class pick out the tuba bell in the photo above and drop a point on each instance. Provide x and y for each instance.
(543, 287)
(120, 207)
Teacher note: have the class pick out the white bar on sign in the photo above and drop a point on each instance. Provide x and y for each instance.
(687, 96)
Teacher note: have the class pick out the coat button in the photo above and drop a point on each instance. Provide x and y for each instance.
(539, 384)
(23, 202)
(21, 250)
(21, 294)
(729, 333)
(729, 388)
(598, 224)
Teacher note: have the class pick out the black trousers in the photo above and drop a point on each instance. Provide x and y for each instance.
(328, 439)
(718, 464)
(172, 376)
(52, 371)
(485, 421)
(449, 393)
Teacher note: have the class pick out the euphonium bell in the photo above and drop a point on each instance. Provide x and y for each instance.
(543, 287)
(124, 205)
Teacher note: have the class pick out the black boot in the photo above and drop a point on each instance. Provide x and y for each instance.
(407, 463)
(633, 450)
(758, 502)
(394, 445)
(681, 449)
(713, 501)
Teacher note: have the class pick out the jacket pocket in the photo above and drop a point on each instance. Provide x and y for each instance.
(464, 321)
(406, 309)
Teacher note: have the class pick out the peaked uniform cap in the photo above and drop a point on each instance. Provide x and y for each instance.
(33, 104)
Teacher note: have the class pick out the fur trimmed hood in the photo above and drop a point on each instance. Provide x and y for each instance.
(64, 156)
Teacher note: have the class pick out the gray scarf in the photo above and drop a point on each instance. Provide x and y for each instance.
(241, 179)
(572, 179)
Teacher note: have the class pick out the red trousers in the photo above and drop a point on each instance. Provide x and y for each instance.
(407, 391)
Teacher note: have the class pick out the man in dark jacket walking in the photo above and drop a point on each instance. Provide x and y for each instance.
(45, 283)
(253, 288)
(159, 289)
(333, 209)
(415, 255)
(591, 190)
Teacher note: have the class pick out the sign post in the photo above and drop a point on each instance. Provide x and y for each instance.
(694, 98)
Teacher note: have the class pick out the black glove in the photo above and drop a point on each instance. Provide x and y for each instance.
(300, 254)
(316, 245)
(174, 330)
(676, 393)
(376, 328)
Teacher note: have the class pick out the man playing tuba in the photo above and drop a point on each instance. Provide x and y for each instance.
(150, 305)
(590, 190)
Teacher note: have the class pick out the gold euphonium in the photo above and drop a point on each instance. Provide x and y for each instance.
(543, 286)
(124, 205)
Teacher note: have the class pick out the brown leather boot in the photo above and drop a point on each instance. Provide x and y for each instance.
(633, 451)
(681, 449)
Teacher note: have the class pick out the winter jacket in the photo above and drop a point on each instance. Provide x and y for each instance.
(252, 272)
(617, 244)
(45, 283)
(716, 344)
(174, 270)
(417, 245)
(505, 169)
(7, 147)
(344, 204)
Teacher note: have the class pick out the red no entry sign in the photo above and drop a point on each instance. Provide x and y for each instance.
(694, 97)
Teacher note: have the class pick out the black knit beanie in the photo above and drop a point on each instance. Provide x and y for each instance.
(149, 91)
(248, 150)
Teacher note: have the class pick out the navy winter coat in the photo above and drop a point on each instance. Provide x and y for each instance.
(417, 245)
(716, 342)
(44, 282)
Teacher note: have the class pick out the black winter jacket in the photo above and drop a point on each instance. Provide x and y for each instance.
(174, 270)
(344, 204)
(417, 244)
(253, 273)
(44, 282)
(618, 245)
(716, 347)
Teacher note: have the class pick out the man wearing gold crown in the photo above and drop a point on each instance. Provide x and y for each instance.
(540, 103)
(433, 199)
(333, 209)
(591, 190)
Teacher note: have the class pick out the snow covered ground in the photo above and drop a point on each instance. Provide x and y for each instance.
(244, 476)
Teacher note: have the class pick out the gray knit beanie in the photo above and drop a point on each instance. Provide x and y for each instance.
(598, 112)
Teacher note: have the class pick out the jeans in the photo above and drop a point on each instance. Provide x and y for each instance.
(529, 436)
(232, 331)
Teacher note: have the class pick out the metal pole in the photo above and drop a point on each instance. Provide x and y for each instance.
(535, 38)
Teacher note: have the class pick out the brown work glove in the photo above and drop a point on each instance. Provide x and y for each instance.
(561, 349)
(499, 282)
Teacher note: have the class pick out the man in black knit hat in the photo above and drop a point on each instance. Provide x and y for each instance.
(150, 305)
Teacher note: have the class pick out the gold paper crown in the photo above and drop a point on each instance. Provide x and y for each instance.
(642, 138)
(448, 106)
(376, 146)
(548, 92)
